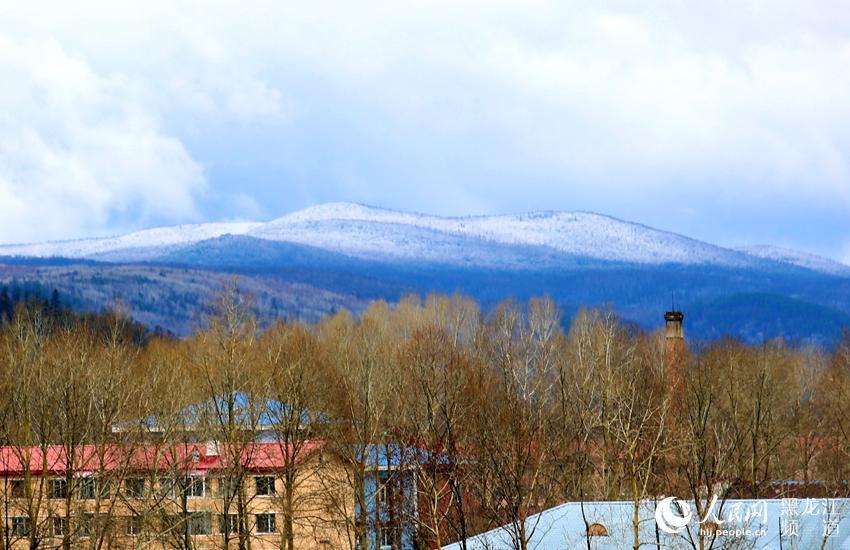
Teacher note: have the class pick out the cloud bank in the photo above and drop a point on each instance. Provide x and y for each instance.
(727, 121)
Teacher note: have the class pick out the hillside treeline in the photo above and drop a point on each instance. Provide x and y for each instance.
(495, 416)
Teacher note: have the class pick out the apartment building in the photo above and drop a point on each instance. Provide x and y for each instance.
(170, 496)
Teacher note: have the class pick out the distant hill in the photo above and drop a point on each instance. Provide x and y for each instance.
(340, 255)
(756, 316)
(174, 298)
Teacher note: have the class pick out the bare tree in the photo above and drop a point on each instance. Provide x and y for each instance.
(234, 412)
(436, 408)
(515, 442)
(638, 402)
(708, 444)
(359, 355)
(288, 368)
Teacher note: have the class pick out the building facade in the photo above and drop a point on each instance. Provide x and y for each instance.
(173, 496)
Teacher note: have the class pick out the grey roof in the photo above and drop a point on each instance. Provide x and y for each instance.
(562, 527)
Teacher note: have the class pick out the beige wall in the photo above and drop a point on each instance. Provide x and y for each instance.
(323, 511)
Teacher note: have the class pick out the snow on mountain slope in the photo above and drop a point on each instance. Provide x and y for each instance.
(512, 241)
(795, 257)
(138, 246)
(370, 232)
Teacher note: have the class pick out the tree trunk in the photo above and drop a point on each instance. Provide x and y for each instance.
(361, 521)
(289, 511)
(636, 512)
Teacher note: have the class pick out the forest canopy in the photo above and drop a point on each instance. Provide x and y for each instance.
(510, 411)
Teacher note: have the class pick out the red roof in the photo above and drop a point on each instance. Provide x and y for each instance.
(195, 458)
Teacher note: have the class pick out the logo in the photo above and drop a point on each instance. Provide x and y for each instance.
(669, 520)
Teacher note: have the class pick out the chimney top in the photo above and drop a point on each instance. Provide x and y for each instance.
(674, 316)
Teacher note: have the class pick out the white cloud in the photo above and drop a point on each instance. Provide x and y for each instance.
(87, 143)
(442, 106)
(78, 149)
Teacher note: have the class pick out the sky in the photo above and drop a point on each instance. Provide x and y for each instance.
(728, 121)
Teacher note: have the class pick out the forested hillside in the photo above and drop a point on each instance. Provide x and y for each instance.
(322, 259)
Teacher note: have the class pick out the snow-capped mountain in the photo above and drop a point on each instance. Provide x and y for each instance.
(321, 259)
(377, 233)
(511, 241)
(137, 246)
(795, 257)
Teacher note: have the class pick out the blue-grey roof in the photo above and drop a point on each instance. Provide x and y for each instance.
(247, 411)
(562, 527)
(394, 455)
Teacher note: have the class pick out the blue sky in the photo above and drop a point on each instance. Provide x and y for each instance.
(728, 122)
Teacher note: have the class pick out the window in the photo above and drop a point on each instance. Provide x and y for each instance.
(87, 525)
(196, 486)
(17, 488)
(382, 486)
(88, 488)
(57, 527)
(597, 530)
(167, 488)
(381, 496)
(386, 538)
(20, 526)
(265, 485)
(134, 525)
(171, 522)
(58, 488)
(229, 523)
(134, 488)
(266, 523)
(200, 523)
(227, 487)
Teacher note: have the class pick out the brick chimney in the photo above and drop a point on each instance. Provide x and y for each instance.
(674, 351)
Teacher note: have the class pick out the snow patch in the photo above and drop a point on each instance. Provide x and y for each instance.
(796, 257)
(508, 241)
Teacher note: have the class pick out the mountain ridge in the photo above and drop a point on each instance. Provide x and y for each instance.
(368, 232)
(319, 260)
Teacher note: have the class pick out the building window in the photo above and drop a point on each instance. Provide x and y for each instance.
(382, 488)
(265, 485)
(58, 488)
(266, 523)
(381, 495)
(57, 527)
(17, 488)
(229, 523)
(227, 487)
(172, 523)
(134, 525)
(386, 537)
(20, 526)
(167, 488)
(88, 488)
(200, 523)
(87, 525)
(134, 488)
(196, 487)
(597, 530)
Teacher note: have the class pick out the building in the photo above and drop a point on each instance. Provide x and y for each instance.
(746, 524)
(187, 496)
(196, 496)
